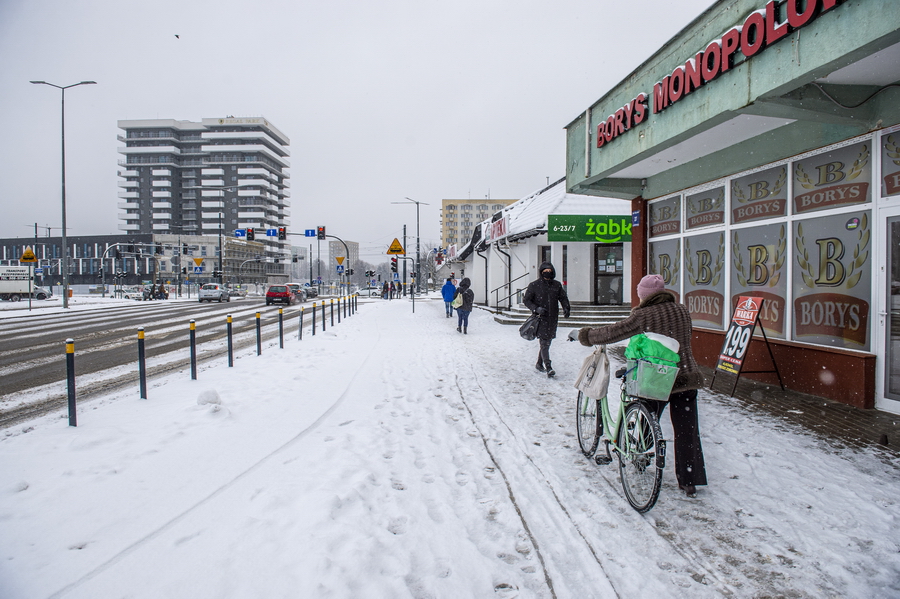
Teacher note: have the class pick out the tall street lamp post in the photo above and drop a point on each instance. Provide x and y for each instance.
(418, 272)
(65, 246)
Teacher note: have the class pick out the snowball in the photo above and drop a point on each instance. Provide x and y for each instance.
(210, 396)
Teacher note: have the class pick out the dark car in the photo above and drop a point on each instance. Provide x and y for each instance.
(312, 291)
(299, 291)
(279, 294)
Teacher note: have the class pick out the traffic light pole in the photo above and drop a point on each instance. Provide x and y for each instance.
(346, 251)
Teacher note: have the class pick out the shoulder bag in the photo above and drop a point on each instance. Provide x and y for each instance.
(593, 378)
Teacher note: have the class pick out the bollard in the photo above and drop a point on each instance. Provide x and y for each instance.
(142, 363)
(230, 344)
(193, 351)
(70, 380)
(258, 336)
(300, 334)
(281, 328)
(314, 319)
(339, 308)
(346, 301)
(332, 313)
(323, 316)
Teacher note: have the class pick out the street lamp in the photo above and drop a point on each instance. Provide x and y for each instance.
(418, 273)
(65, 252)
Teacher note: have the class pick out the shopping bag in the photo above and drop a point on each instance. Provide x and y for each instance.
(593, 378)
(457, 301)
(529, 328)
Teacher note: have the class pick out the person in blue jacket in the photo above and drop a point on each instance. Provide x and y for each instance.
(448, 292)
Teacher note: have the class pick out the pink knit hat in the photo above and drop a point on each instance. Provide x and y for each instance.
(650, 285)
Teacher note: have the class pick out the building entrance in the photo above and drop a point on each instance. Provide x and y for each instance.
(608, 274)
(890, 321)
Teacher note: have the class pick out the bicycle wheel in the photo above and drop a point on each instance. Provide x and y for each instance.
(641, 444)
(587, 423)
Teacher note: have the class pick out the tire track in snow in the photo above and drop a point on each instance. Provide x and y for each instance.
(373, 350)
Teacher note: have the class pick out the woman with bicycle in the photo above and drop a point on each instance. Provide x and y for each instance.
(659, 312)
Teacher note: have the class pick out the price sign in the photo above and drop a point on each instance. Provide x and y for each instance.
(739, 334)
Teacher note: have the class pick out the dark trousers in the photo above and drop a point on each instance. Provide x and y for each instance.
(689, 466)
(544, 351)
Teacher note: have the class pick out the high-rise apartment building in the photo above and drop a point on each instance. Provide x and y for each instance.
(206, 178)
(459, 217)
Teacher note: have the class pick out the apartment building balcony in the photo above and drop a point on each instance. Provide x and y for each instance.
(211, 204)
(125, 195)
(128, 183)
(163, 205)
(212, 183)
(129, 227)
(260, 136)
(213, 172)
(133, 150)
(129, 173)
(162, 172)
(128, 206)
(161, 183)
(162, 194)
(249, 148)
(212, 193)
(160, 226)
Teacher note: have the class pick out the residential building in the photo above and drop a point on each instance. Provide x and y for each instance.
(215, 177)
(460, 217)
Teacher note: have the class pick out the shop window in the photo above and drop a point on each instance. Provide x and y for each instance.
(759, 196)
(705, 208)
(890, 165)
(833, 179)
(665, 260)
(704, 278)
(664, 216)
(759, 263)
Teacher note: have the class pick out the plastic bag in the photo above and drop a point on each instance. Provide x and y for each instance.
(529, 328)
(457, 301)
(593, 378)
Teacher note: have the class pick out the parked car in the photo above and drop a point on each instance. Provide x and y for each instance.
(237, 293)
(299, 291)
(214, 291)
(311, 292)
(370, 292)
(279, 294)
(129, 293)
(41, 293)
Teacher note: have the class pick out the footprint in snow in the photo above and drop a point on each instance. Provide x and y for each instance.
(397, 526)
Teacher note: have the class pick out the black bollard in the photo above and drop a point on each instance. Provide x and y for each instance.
(281, 328)
(300, 333)
(193, 351)
(258, 336)
(142, 363)
(70, 380)
(314, 319)
(230, 343)
(332, 313)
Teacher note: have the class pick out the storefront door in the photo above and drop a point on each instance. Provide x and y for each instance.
(889, 322)
(608, 274)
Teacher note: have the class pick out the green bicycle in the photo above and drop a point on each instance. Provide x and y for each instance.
(634, 436)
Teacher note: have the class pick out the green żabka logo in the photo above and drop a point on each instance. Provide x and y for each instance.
(597, 229)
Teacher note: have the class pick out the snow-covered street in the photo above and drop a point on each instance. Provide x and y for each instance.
(393, 457)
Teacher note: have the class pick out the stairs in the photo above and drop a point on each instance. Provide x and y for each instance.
(582, 315)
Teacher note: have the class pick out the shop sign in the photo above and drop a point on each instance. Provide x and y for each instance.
(759, 196)
(665, 261)
(890, 164)
(596, 229)
(704, 262)
(499, 228)
(740, 332)
(665, 217)
(760, 29)
(759, 268)
(833, 179)
(705, 208)
(832, 280)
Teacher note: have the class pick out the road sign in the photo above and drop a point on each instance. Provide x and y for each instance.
(340, 259)
(38, 271)
(198, 269)
(396, 276)
(340, 269)
(271, 232)
(309, 232)
(198, 261)
(396, 247)
(240, 232)
(28, 255)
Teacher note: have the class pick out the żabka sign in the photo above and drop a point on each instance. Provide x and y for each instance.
(760, 30)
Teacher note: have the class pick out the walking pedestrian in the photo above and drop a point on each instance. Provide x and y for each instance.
(393, 290)
(385, 290)
(543, 297)
(448, 292)
(659, 312)
(462, 312)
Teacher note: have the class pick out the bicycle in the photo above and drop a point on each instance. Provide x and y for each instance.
(636, 441)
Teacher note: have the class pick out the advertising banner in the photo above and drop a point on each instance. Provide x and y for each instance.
(595, 229)
(759, 268)
(890, 165)
(739, 334)
(833, 179)
(759, 196)
(665, 261)
(665, 217)
(705, 208)
(704, 285)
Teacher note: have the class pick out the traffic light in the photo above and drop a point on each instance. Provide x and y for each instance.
(393, 264)
(349, 271)
(251, 234)
(282, 233)
(184, 270)
(159, 248)
(118, 254)
(320, 233)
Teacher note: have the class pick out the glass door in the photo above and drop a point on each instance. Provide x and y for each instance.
(608, 274)
(889, 375)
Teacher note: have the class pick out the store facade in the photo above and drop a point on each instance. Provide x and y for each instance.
(766, 162)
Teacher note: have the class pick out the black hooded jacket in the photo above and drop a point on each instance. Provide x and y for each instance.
(468, 296)
(547, 295)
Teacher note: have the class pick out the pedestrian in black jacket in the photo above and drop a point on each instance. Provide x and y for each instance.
(543, 297)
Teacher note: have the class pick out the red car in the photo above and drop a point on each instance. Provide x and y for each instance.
(279, 293)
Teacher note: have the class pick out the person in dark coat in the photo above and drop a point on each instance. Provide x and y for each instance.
(468, 299)
(448, 292)
(660, 313)
(544, 297)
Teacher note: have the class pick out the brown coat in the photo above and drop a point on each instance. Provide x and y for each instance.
(657, 313)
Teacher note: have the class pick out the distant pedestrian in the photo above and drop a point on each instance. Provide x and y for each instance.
(393, 290)
(448, 292)
(543, 297)
(468, 299)
(385, 290)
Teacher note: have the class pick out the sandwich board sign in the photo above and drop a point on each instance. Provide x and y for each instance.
(731, 359)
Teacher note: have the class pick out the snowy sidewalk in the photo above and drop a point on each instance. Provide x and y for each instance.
(393, 457)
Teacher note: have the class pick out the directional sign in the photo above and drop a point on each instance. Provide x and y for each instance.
(271, 232)
(240, 232)
(396, 247)
(38, 271)
(340, 259)
(309, 232)
(28, 256)
(198, 269)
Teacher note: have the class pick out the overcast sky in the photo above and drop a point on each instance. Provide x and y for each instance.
(381, 100)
